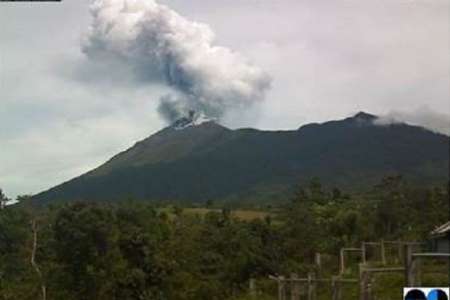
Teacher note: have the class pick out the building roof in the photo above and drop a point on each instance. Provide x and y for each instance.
(441, 230)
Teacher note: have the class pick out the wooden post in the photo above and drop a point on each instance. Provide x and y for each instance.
(363, 253)
(363, 281)
(341, 261)
(335, 288)
(409, 266)
(295, 287)
(318, 261)
(252, 287)
(369, 288)
(314, 286)
(311, 288)
(281, 288)
(400, 252)
(417, 266)
(383, 253)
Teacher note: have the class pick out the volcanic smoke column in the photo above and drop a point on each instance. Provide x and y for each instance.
(164, 47)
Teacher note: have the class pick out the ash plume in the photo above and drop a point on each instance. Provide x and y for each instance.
(163, 47)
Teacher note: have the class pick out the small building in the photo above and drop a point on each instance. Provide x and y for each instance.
(440, 238)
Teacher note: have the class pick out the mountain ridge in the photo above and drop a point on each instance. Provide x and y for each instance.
(208, 160)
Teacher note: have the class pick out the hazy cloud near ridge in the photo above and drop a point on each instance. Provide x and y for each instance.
(424, 117)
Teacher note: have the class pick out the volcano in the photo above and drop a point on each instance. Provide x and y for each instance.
(196, 159)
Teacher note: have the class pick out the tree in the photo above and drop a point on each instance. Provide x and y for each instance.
(86, 247)
(16, 277)
(3, 200)
(391, 207)
(23, 198)
(300, 228)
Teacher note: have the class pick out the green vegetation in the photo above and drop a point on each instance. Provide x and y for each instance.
(132, 250)
(240, 214)
(246, 165)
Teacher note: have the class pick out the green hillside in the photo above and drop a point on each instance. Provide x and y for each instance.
(209, 161)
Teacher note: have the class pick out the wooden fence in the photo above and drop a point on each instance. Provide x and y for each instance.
(408, 257)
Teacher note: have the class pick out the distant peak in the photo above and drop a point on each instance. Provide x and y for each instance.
(363, 116)
(192, 119)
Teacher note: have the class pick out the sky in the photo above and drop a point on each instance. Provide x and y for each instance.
(62, 114)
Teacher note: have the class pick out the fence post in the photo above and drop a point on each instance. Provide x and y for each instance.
(311, 287)
(363, 280)
(400, 252)
(318, 261)
(341, 261)
(281, 288)
(335, 288)
(363, 254)
(417, 267)
(409, 265)
(252, 287)
(314, 283)
(369, 288)
(295, 287)
(383, 253)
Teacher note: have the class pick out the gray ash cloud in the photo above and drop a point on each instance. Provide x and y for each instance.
(161, 46)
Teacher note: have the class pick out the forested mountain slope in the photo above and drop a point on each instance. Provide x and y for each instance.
(197, 162)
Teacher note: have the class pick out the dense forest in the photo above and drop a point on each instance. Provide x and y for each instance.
(136, 250)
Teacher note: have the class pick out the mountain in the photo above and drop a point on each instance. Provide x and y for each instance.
(196, 159)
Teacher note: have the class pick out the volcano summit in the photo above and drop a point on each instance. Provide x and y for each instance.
(196, 159)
